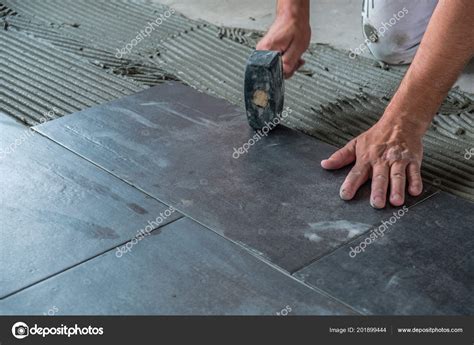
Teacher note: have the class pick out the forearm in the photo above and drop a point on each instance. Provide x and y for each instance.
(447, 46)
(293, 10)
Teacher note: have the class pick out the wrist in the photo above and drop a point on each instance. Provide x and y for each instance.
(415, 122)
(412, 108)
(295, 11)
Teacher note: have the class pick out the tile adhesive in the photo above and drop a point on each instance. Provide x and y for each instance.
(58, 57)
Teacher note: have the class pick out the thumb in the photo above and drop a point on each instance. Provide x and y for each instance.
(341, 157)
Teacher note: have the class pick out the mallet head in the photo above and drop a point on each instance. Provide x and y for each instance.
(263, 87)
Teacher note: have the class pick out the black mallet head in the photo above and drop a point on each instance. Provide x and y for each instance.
(263, 87)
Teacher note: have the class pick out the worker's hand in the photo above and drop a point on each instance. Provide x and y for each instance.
(291, 37)
(389, 154)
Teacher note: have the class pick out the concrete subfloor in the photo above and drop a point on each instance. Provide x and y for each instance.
(336, 22)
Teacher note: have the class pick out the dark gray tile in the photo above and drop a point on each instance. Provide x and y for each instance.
(58, 209)
(177, 144)
(423, 265)
(183, 268)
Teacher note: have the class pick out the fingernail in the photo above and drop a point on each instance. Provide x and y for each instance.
(415, 190)
(344, 194)
(377, 202)
(396, 197)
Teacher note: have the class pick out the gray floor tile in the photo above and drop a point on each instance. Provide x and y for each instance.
(423, 265)
(177, 145)
(58, 209)
(182, 268)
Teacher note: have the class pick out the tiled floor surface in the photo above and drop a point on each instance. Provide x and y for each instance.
(140, 206)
